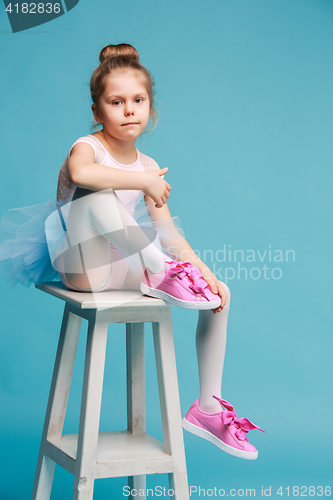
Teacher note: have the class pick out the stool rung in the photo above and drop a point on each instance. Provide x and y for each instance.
(119, 453)
(61, 457)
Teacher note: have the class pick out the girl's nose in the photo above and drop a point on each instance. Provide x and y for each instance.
(129, 110)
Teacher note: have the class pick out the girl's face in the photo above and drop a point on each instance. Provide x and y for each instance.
(124, 107)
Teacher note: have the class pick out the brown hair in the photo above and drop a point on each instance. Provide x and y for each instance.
(121, 56)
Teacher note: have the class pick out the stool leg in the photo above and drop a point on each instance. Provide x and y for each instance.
(44, 478)
(137, 483)
(56, 407)
(90, 408)
(170, 405)
(136, 411)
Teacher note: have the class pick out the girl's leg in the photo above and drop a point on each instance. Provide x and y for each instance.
(205, 418)
(210, 342)
(126, 274)
(95, 220)
(123, 231)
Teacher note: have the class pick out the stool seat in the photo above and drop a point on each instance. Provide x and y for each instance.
(91, 454)
(100, 300)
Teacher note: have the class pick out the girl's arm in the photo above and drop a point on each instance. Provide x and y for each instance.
(180, 249)
(83, 172)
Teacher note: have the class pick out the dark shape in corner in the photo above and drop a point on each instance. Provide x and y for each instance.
(70, 4)
(23, 16)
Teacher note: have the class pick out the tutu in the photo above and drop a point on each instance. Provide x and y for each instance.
(24, 255)
(28, 248)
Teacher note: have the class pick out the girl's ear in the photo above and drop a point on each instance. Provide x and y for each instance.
(96, 113)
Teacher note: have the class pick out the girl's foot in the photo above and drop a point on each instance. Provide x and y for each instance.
(182, 285)
(223, 429)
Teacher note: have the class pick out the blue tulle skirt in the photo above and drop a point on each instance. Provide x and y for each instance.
(27, 249)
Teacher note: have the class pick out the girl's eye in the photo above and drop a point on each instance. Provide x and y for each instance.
(116, 103)
(139, 99)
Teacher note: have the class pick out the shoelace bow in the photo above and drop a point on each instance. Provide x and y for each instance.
(243, 425)
(185, 269)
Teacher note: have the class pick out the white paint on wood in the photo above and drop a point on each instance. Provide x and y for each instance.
(90, 455)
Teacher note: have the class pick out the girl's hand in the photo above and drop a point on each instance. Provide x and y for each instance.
(216, 287)
(156, 187)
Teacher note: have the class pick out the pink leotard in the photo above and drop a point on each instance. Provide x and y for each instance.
(143, 163)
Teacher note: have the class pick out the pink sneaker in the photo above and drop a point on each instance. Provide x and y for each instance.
(182, 285)
(223, 429)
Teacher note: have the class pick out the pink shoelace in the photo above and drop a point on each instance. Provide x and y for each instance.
(185, 269)
(243, 425)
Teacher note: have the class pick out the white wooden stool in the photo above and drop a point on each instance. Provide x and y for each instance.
(90, 455)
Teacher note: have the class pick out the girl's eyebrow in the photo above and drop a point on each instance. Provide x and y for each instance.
(139, 94)
(111, 96)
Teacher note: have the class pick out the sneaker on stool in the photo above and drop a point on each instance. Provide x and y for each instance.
(223, 429)
(182, 285)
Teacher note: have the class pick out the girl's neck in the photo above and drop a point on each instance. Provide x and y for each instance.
(123, 152)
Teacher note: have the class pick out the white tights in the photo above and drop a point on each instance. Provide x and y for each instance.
(97, 219)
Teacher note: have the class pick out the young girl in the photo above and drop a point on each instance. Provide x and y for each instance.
(100, 187)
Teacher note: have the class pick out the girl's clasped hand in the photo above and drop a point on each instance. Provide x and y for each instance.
(156, 187)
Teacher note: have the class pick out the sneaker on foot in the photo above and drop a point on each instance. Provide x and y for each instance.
(223, 429)
(182, 285)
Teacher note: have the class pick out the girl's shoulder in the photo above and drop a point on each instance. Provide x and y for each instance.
(148, 163)
(95, 144)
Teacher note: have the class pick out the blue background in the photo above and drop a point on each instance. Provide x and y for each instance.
(244, 92)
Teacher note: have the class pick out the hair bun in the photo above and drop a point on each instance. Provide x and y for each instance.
(122, 49)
